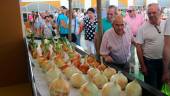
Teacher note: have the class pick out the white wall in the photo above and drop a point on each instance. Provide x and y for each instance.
(114, 2)
(130, 2)
(64, 3)
(87, 4)
(151, 1)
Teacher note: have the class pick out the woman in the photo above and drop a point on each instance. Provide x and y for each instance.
(54, 26)
(89, 25)
(37, 24)
(74, 29)
(47, 27)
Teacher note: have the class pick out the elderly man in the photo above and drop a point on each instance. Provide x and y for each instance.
(107, 22)
(132, 18)
(134, 21)
(166, 53)
(149, 44)
(116, 42)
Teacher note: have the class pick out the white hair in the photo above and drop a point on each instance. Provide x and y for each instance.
(154, 4)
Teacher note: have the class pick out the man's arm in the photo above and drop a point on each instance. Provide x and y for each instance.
(63, 24)
(166, 58)
(131, 35)
(141, 59)
(104, 51)
(81, 27)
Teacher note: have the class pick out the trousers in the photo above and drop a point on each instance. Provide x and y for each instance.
(155, 72)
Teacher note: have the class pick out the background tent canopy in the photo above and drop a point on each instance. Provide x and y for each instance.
(40, 7)
(36, 0)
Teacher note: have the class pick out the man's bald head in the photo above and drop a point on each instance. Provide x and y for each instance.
(118, 18)
(118, 25)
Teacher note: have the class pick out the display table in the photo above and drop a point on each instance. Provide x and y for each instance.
(40, 85)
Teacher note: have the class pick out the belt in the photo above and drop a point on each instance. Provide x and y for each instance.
(151, 59)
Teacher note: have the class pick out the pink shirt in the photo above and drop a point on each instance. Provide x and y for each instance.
(118, 47)
(134, 23)
(30, 17)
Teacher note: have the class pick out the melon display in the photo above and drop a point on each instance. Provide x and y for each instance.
(133, 89)
(109, 72)
(89, 89)
(77, 80)
(100, 79)
(111, 89)
(59, 87)
(120, 79)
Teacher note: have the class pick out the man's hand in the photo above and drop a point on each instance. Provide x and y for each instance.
(108, 59)
(144, 69)
(166, 77)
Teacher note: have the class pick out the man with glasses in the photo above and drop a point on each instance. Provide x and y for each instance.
(116, 42)
(149, 44)
(134, 21)
(132, 18)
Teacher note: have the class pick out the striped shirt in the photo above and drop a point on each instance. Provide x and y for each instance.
(118, 47)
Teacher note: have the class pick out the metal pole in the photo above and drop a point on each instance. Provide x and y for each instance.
(70, 17)
(99, 33)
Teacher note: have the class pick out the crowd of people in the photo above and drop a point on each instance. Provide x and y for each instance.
(52, 24)
(149, 35)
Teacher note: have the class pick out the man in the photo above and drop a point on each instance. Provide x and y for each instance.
(149, 44)
(107, 21)
(134, 21)
(166, 53)
(116, 42)
(62, 22)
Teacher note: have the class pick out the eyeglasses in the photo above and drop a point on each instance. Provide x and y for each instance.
(130, 11)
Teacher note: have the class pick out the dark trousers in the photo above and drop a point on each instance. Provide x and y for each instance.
(64, 35)
(78, 39)
(155, 72)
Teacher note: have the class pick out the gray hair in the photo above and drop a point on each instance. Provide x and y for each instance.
(114, 7)
(154, 4)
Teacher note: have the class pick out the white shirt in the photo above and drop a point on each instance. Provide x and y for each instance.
(56, 15)
(118, 47)
(152, 41)
(74, 25)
